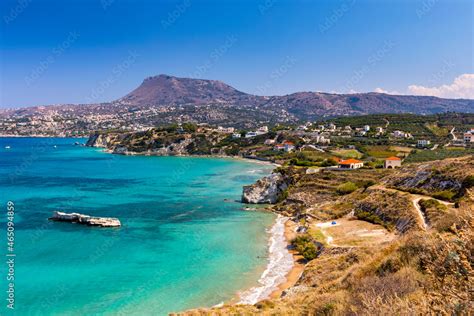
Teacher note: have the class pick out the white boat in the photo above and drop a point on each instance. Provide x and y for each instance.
(7, 147)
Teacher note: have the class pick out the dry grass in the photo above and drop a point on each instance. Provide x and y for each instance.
(415, 273)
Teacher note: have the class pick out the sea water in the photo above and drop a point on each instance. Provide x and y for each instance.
(185, 241)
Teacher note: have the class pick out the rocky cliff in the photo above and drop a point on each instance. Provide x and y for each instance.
(98, 140)
(266, 190)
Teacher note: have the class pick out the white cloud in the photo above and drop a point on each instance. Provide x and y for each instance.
(380, 90)
(462, 87)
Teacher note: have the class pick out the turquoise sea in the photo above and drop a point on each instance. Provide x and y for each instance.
(184, 242)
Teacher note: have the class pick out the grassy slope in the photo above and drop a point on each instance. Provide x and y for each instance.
(419, 272)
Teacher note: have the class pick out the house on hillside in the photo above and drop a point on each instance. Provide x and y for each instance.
(289, 146)
(286, 146)
(250, 134)
(469, 137)
(351, 164)
(423, 143)
(392, 163)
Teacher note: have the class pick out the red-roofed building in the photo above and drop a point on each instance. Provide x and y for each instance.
(351, 164)
(392, 163)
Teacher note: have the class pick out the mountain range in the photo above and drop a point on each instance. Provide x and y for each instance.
(166, 90)
(165, 99)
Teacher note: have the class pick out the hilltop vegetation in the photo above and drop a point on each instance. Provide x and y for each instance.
(318, 144)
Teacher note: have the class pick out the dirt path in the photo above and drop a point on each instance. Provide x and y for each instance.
(424, 219)
(452, 133)
(415, 198)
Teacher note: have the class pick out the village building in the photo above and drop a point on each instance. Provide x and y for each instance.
(469, 137)
(351, 164)
(287, 146)
(262, 130)
(236, 135)
(225, 130)
(392, 163)
(279, 147)
(423, 143)
(250, 134)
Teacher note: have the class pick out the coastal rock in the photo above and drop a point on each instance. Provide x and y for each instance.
(98, 140)
(265, 190)
(85, 219)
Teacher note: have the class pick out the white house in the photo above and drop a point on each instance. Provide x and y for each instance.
(226, 130)
(469, 137)
(367, 128)
(262, 130)
(351, 164)
(250, 134)
(236, 135)
(392, 163)
(423, 143)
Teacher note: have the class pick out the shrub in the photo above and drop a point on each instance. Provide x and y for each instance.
(468, 182)
(445, 195)
(373, 218)
(307, 247)
(328, 163)
(346, 188)
(387, 267)
(283, 195)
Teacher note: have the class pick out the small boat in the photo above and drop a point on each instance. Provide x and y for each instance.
(55, 146)
(76, 143)
(7, 147)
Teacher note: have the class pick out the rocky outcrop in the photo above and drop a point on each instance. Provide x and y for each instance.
(265, 190)
(445, 179)
(98, 140)
(85, 219)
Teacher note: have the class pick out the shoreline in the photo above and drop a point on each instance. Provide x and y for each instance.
(288, 262)
(295, 273)
(280, 262)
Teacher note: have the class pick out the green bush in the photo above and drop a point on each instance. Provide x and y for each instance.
(328, 163)
(468, 182)
(373, 218)
(306, 246)
(346, 188)
(446, 195)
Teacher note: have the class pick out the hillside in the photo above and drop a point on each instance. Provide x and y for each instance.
(165, 90)
(168, 90)
(391, 252)
(164, 99)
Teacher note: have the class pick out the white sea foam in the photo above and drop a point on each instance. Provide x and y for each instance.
(280, 262)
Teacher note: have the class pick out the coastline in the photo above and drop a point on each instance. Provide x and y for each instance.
(280, 263)
(295, 273)
(249, 159)
(272, 286)
(284, 267)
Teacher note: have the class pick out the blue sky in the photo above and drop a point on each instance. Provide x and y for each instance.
(98, 50)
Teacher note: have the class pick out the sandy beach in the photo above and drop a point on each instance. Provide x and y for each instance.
(298, 267)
